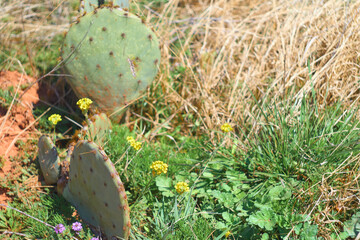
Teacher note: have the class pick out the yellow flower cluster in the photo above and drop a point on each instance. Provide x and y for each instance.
(84, 104)
(182, 187)
(227, 234)
(226, 127)
(55, 118)
(159, 167)
(136, 145)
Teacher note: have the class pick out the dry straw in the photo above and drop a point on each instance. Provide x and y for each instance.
(230, 48)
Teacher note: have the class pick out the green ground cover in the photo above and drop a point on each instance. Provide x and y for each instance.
(265, 192)
(285, 171)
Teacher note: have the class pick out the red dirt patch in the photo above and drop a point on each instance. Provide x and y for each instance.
(16, 122)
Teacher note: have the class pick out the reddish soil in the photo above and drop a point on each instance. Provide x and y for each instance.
(16, 122)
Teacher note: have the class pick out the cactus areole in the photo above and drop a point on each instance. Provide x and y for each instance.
(112, 57)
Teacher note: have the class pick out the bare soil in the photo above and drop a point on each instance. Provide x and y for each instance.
(17, 122)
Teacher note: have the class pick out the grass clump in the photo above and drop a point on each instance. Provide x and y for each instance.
(6, 97)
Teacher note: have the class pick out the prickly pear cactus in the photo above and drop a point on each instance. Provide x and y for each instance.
(49, 160)
(113, 57)
(95, 189)
(98, 128)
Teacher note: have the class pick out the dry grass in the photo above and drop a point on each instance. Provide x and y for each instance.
(232, 47)
(228, 48)
(30, 25)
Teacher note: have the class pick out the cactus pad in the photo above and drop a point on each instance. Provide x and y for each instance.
(98, 129)
(49, 160)
(87, 6)
(113, 57)
(95, 189)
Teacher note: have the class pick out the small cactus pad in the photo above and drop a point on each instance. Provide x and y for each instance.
(90, 5)
(98, 129)
(113, 58)
(95, 189)
(64, 174)
(121, 3)
(49, 160)
(87, 6)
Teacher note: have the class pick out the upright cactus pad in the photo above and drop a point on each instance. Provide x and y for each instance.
(95, 189)
(49, 160)
(98, 129)
(114, 57)
(90, 5)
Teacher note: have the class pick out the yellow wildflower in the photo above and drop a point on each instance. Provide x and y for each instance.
(226, 127)
(130, 139)
(84, 104)
(227, 234)
(159, 167)
(55, 118)
(182, 187)
(136, 145)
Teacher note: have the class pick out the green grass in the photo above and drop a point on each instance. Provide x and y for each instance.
(44, 57)
(253, 194)
(6, 97)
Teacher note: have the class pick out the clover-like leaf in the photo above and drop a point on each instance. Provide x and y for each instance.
(164, 185)
(280, 193)
(264, 219)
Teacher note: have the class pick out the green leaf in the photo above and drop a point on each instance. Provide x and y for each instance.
(297, 228)
(164, 185)
(226, 198)
(220, 225)
(309, 232)
(351, 227)
(265, 236)
(227, 217)
(225, 187)
(264, 219)
(280, 193)
(208, 175)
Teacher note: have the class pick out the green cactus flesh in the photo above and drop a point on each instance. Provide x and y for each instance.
(49, 160)
(113, 57)
(121, 3)
(98, 128)
(95, 189)
(87, 6)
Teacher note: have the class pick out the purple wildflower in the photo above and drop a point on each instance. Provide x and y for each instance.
(59, 228)
(95, 238)
(76, 226)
